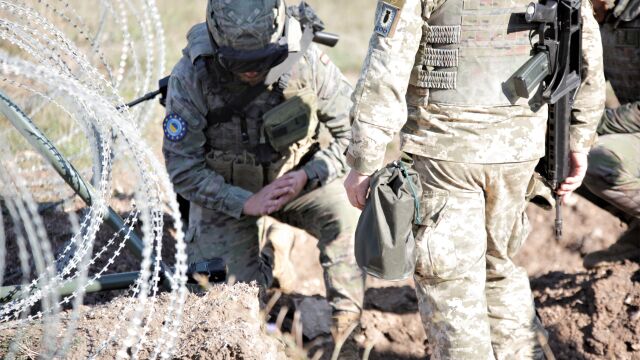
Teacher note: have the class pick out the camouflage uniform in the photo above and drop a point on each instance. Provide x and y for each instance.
(214, 167)
(614, 163)
(436, 71)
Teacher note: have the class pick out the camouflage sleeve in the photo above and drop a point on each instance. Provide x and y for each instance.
(624, 119)
(589, 102)
(185, 158)
(379, 110)
(334, 103)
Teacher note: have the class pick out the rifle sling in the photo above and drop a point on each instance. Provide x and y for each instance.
(240, 102)
(237, 105)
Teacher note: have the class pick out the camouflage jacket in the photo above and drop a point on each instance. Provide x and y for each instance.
(190, 100)
(387, 100)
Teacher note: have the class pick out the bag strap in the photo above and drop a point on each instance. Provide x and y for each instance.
(236, 105)
(416, 201)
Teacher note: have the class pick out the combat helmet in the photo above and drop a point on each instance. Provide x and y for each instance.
(248, 35)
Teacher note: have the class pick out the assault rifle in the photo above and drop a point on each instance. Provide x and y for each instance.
(555, 66)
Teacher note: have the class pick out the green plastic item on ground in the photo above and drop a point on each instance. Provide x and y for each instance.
(384, 242)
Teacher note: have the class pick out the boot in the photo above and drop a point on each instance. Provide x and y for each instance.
(627, 247)
(347, 336)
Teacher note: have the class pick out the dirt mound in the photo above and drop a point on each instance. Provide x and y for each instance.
(588, 314)
(222, 324)
(592, 315)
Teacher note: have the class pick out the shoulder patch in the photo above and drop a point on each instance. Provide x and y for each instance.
(324, 58)
(175, 128)
(387, 17)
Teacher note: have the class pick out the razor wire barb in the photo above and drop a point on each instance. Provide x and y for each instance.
(65, 67)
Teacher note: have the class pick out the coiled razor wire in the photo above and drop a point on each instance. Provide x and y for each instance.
(67, 68)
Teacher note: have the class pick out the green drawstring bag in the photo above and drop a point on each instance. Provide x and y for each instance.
(384, 242)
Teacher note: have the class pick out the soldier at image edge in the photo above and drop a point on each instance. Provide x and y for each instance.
(435, 72)
(614, 162)
(238, 148)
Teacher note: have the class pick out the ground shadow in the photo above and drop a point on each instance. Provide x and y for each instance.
(394, 356)
(392, 299)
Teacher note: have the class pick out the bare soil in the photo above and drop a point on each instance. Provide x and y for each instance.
(589, 314)
(223, 323)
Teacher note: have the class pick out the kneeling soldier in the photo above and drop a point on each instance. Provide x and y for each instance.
(241, 142)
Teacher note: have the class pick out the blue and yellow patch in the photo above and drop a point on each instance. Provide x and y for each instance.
(388, 14)
(175, 128)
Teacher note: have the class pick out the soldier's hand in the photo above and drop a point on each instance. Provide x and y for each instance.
(269, 199)
(357, 186)
(578, 162)
(298, 179)
(600, 10)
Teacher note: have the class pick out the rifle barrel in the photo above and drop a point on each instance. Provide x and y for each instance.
(326, 38)
(147, 96)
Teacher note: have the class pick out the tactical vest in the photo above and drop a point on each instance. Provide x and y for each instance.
(271, 135)
(468, 51)
(621, 48)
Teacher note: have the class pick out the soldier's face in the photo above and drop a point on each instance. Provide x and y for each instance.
(252, 77)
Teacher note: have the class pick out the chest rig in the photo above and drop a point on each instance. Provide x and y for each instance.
(254, 134)
(468, 51)
(621, 50)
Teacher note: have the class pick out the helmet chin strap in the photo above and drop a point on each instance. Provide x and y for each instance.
(294, 56)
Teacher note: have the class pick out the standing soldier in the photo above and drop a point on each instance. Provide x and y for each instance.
(439, 67)
(614, 163)
(239, 148)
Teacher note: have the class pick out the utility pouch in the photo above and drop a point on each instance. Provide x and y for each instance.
(292, 121)
(281, 166)
(221, 162)
(384, 243)
(247, 173)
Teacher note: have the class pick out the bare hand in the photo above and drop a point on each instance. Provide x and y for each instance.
(357, 186)
(269, 199)
(600, 10)
(298, 179)
(578, 163)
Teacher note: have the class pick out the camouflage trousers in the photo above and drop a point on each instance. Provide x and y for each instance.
(614, 163)
(475, 303)
(325, 213)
